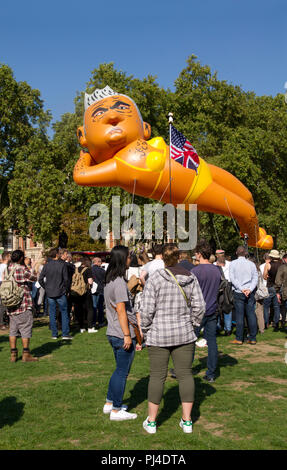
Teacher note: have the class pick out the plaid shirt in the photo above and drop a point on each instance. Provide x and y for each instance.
(23, 277)
(166, 319)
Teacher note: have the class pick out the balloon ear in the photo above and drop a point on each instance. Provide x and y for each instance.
(81, 137)
(147, 130)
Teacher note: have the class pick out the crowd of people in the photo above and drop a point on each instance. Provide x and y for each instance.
(166, 300)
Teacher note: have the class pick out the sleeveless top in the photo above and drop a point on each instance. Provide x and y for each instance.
(272, 273)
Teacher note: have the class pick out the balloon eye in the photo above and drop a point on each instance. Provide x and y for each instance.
(98, 112)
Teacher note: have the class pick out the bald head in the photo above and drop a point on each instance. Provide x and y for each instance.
(241, 251)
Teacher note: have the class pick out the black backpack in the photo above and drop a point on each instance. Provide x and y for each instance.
(225, 300)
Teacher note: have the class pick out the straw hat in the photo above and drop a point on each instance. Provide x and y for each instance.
(274, 254)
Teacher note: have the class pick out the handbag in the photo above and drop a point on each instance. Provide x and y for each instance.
(262, 291)
(137, 332)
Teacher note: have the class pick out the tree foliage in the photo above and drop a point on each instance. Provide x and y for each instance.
(22, 115)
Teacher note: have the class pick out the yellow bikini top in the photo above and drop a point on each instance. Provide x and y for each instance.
(156, 162)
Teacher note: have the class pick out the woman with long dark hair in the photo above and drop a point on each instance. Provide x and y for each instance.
(120, 333)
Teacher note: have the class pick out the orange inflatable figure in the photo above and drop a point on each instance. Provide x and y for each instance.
(121, 154)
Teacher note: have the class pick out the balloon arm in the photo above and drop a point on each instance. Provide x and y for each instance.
(88, 174)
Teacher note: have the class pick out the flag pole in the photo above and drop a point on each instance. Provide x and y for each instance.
(170, 120)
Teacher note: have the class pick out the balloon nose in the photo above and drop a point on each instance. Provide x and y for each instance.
(112, 117)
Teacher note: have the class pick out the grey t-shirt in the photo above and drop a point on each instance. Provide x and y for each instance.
(115, 292)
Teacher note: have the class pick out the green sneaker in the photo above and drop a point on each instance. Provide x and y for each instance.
(186, 426)
(149, 426)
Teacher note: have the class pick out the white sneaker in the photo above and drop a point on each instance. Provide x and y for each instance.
(67, 337)
(108, 408)
(202, 343)
(122, 415)
(186, 426)
(82, 330)
(92, 330)
(149, 426)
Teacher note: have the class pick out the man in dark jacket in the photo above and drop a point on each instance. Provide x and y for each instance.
(281, 289)
(66, 257)
(269, 274)
(209, 278)
(98, 297)
(54, 278)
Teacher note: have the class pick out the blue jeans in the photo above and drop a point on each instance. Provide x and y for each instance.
(227, 322)
(124, 359)
(244, 305)
(98, 304)
(34, 291)
(209, 324)
(272, 299)
(63, 306)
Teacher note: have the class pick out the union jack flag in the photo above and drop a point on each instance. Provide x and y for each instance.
(182, 151)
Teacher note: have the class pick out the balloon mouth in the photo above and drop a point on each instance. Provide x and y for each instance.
(116, 136)
(115, 130)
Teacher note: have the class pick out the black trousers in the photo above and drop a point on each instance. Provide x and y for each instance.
(83, 309)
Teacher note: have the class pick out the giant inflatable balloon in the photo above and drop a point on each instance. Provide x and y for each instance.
(119, 153)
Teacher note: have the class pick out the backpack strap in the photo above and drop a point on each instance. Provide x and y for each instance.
(6, 273)
(222, 273)
(180, 288)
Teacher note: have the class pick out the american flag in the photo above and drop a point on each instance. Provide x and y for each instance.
(182, 151)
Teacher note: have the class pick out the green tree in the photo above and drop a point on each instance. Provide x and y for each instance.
(75, 226)
(22, 115)
(36, 191)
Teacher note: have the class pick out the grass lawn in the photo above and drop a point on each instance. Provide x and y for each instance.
(57, 403)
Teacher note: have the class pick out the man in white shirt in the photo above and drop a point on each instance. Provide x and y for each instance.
(157, 263)
(244, 277)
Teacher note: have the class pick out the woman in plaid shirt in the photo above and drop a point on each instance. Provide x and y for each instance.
(172, 306)
(21, 317)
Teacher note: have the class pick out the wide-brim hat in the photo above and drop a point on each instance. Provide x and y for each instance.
(274, 254)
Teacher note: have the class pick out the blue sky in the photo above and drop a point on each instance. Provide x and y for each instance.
(55, 45)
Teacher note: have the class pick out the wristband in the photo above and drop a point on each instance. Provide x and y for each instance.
(127, 335)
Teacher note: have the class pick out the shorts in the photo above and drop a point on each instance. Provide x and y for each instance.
(22, 323)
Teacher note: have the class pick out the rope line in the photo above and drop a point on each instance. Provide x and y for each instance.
(232, 217)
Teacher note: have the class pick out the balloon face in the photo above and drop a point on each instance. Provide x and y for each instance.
(110, 125)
